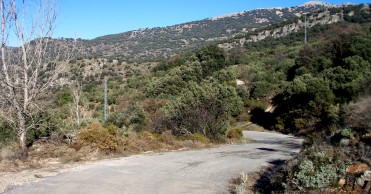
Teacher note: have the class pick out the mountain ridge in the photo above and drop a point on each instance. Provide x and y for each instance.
(163, 42)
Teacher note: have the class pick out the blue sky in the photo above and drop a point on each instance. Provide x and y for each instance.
(89, 19)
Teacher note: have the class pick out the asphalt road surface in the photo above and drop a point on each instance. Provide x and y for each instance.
(196, 171)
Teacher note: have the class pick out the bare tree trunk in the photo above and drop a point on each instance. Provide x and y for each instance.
(76, 93)
(21, 136)
(78, 112)
(20, 84)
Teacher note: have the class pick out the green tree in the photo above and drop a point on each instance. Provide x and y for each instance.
(202, 108)
(212, 58)
(303, 103)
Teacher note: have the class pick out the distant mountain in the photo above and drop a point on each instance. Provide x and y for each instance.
(160, 43)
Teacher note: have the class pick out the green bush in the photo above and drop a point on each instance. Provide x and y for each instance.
(302, 102)
(242, 92)
(7, 134)
(202, 108)
(320, 167)
(348, 133)
(326, 75)
(136, 116)
(308, 176)
(118, 119)
(64, 97)
(212, 58)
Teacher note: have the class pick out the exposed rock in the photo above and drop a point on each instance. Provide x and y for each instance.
(314, 3)
(344, 142)
(365, 179)
(163, 42)
(322, 18)
(240, 82)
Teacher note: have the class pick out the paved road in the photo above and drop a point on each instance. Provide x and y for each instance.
(196, 171)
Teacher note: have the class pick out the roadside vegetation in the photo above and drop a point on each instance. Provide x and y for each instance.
(319, 91)
(186, 102)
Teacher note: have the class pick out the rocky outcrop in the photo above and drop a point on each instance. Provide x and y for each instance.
(322, 18)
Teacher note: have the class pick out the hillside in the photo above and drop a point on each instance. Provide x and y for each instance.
(161, 43)
(319, 90)
(92, 67)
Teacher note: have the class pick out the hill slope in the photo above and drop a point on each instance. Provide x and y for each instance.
(160, 43)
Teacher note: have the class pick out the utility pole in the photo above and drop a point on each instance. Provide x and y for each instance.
(105, 101)
(305, 29)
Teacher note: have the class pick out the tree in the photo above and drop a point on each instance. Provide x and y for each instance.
(29, 71)
(212, 58)
(203, 108)
(303, 103)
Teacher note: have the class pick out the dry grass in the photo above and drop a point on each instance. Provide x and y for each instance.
(254, 127)
(248, 184)
(42, 154)
(248, 126)
(146, 141)
(47, 158)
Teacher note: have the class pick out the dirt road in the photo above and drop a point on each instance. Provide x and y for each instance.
(196, 171)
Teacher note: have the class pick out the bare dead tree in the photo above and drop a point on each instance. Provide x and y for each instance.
(70, 128)
(76, 89)
(29, 71)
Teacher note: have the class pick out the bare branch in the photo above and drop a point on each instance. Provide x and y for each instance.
(22, 85)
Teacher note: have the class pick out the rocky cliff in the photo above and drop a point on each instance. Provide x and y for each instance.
(320, 18)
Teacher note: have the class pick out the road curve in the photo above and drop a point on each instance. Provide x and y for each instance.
(195, 171)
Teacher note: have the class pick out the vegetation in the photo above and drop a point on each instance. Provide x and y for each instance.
(28, 71)
(312, 99)
(325, 76)
(202, 97)
(153, 44)
(319, 91)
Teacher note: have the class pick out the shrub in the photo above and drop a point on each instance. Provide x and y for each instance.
(348, 133)
(240, 187)
(243, 117)
(167, 137)
(91, 106)
(212, 58)
(198, 137)
(234, 133)
(146, 141)
(303, 102)
(7, 134)
(242, 92)
(64, 97)
(202, 108)
(106, 139)
(356, 115)
(308, 176)
(117, 119)
(317, 167)
(136, 116)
